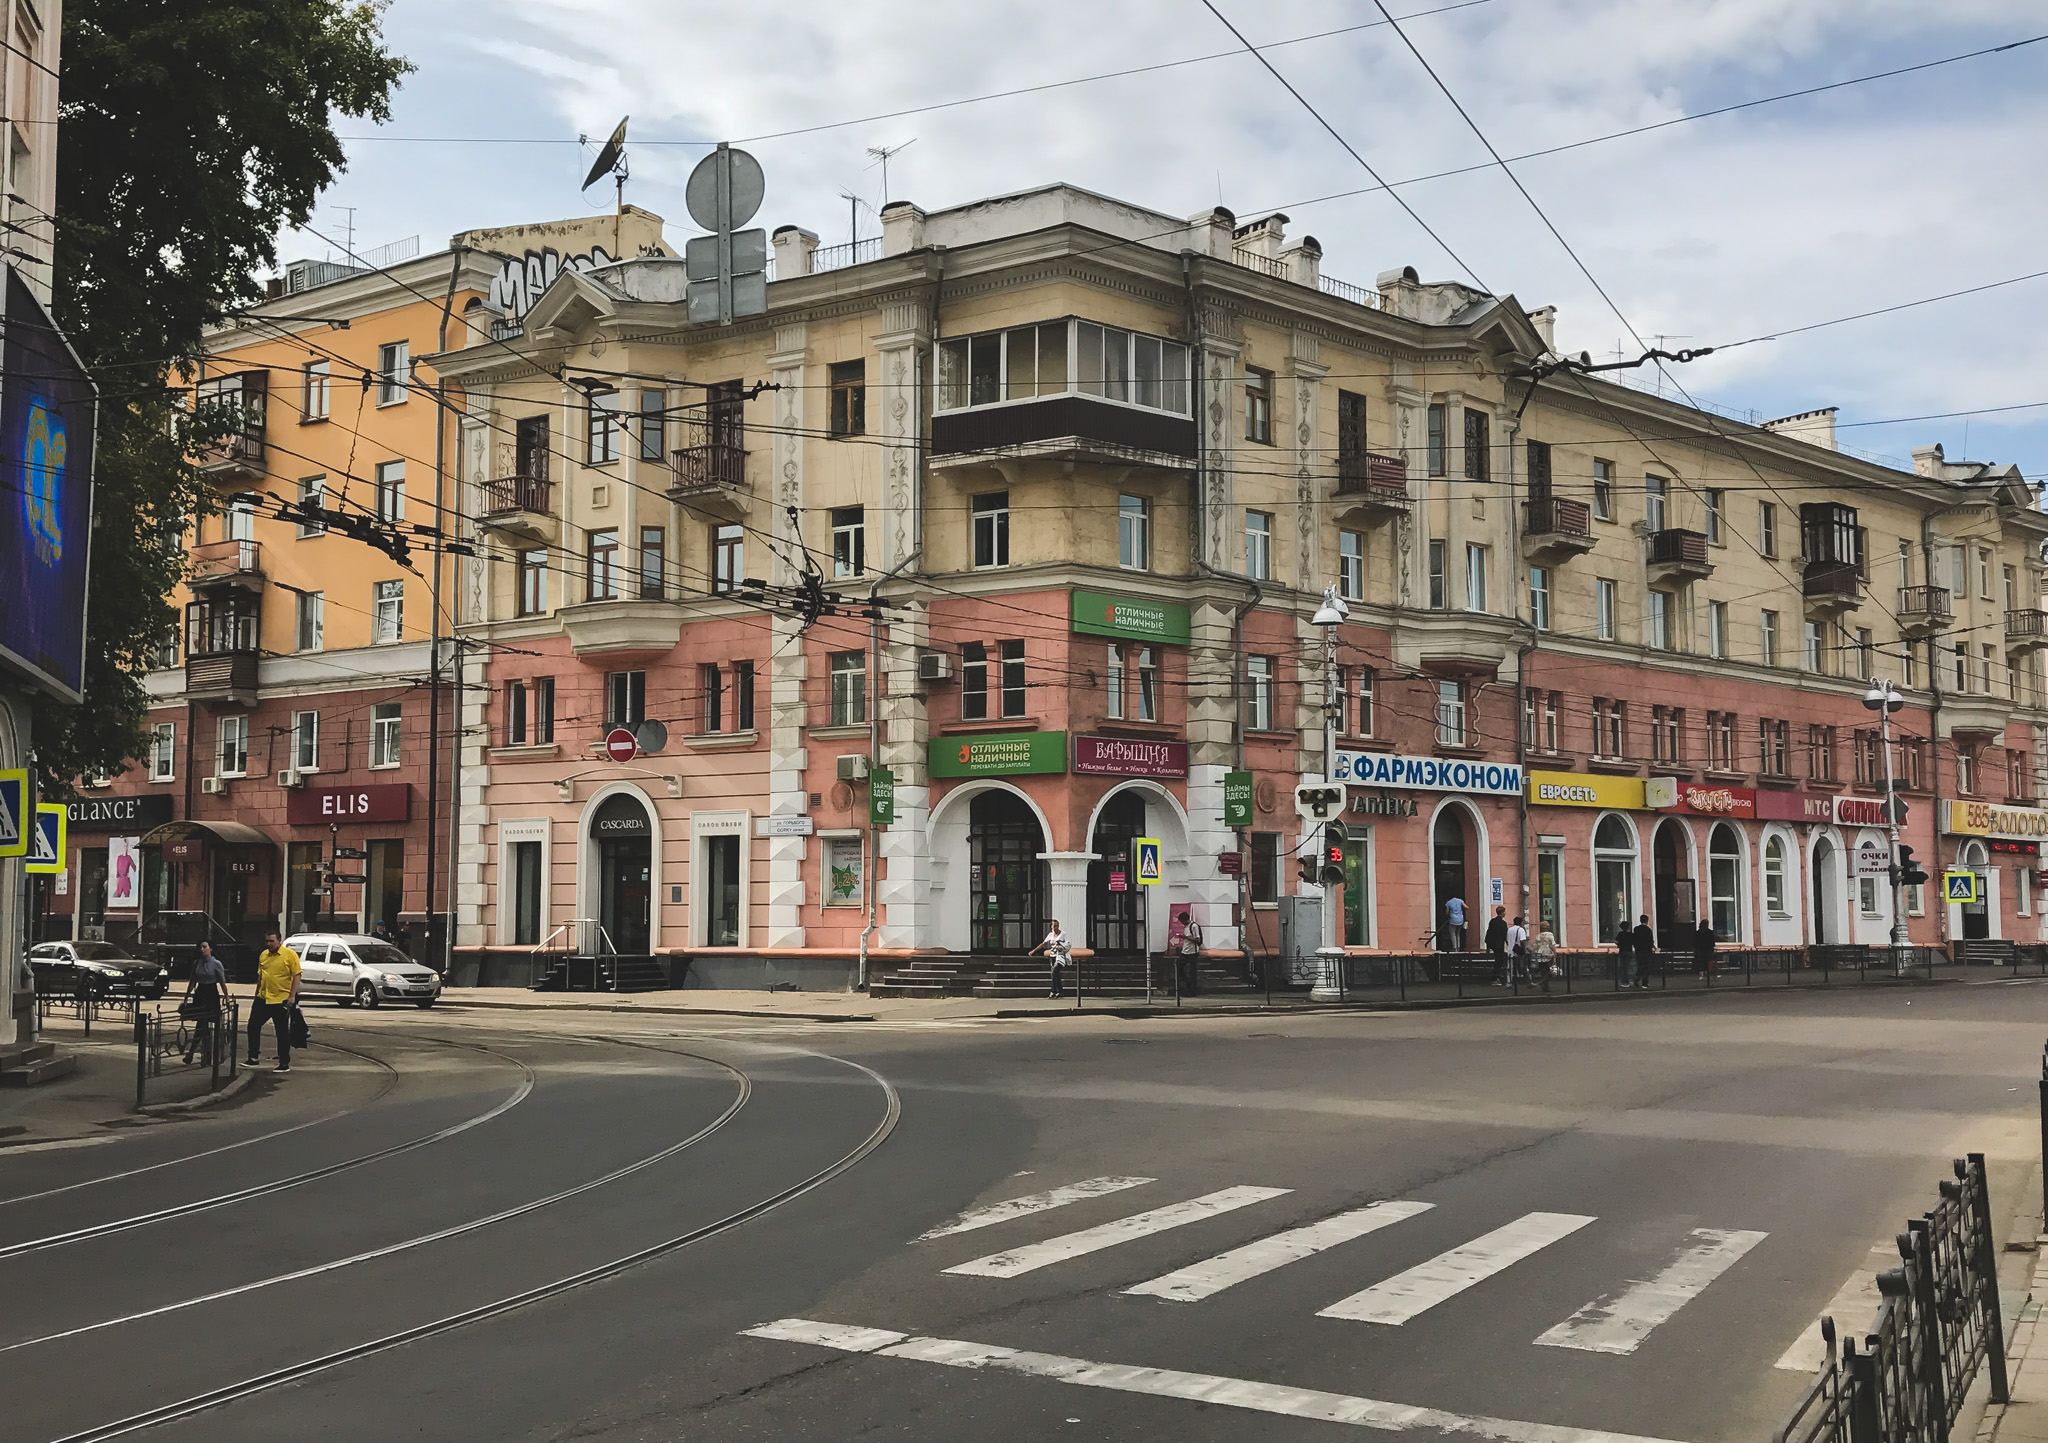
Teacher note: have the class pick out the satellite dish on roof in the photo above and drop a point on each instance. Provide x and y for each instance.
(610, 157)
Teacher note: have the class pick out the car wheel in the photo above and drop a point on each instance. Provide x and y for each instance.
(366, 995)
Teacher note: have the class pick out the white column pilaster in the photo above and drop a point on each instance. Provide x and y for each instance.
(788, 795)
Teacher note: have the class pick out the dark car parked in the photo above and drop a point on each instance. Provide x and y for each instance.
(101, 968)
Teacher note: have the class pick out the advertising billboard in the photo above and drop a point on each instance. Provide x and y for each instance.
(46, 433)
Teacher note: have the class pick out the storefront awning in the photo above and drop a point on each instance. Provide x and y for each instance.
(227, 834)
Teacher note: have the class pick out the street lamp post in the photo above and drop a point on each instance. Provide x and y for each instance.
(1884, 699)
(1330, 955)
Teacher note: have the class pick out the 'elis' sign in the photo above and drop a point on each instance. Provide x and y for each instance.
(321, 806)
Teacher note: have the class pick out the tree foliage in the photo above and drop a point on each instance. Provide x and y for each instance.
(191, 136)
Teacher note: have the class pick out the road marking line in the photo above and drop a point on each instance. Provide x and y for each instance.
(1192, 1284)
(1037, 1202)
(1853, 1307)
(1618, 1323)
(1446, 1275)
(1108, 1235)
(1208, 1388)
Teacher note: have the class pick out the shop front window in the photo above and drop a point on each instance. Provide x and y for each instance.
(1614, 876)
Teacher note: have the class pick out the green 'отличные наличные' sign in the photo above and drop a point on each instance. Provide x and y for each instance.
(999, 754)
(1098, 615)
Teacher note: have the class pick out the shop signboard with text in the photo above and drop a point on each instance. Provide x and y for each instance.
(1983, 819)
(322, 806)
(1129, 757)
(1699, 799)
(1773, 806)
(136, 814)
(1162, 621)
(1860, 812)
(998, 754)
(1429, 774)
(1584, 789)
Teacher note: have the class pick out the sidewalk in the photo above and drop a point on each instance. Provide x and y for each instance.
(98, 1099)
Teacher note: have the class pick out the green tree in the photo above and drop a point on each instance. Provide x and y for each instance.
(191, 136)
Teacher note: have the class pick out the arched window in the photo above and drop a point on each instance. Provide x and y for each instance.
(1774, 878)
(1614, 876)
(1724, 881)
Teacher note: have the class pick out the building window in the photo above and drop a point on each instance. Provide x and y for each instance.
(849, 398)
(1996, 677)
(1265, 876)
(387, 611)
(1966, 771)
(394, 371)
(1656, 493)
(602, 428)
(1610, 728)
(1866, 885)
(1478, 445)
(1531, 711)
(384, 721)
(1258, 545)
(1774, 747)
(728, 557)
(163, 751)
(231, 747)
(1258, 405)
(991, 513)
(312, 506)
(1657, 622)
(1983, 573)
(1767, 529)
(1439, 586)
(974, 682)
(1717, 629)
(238, 522)
(1605, 604)
(314, 407)
(1962, 667)
(2023, 890)
(1713, 500)
(1148, 685)
(1012, 653)
(625, 698)
(1866, 759)
(1767, 652)
(603, 558)
(1909, 650)
(1774, 878)
(312, 609)
(1721, 741)
(712, 685)
(849, 688)
(543, 710)
(1539, 470)
(1820, 753)
(743, 696)
(1866, 653)
(533, 581)
(1475, 578)
(2012, 595)
(653, 562)
(653, 425)
(1032, 361)
(2019, 775)
(1351, 565)
(390, 494)
(1553, 709)
(515, 713)
(1133, 532)
(1539, 598)
(1603, 490)
(306, 740)
(1669, 726)
(1114, 682)
(167, 649)
(1815, 657)
(1450, 713)
(849, 541)
(1258, 693)
(1436, 439)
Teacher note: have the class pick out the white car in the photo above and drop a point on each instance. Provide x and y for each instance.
(366, 971)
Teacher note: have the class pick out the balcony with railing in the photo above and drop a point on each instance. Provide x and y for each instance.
(220, 564)
(1373, 484)
(1924, 608)
(1677, 555)
(519, 505)
(1556, 528)
(852, 253)
(1831, 587)
(220, 647)
(2026, 629)
(229, 413)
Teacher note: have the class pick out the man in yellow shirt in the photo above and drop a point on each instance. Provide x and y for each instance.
(277, 994)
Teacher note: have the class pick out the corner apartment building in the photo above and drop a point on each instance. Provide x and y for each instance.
(1093, 466)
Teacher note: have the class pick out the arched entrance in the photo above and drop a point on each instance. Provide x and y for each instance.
(624, 835)
(1676, 897)
(1007, 890)
(1724, 882)
(1449, 852)
(1614, 876)
(1827, 893)
(1977, 914)
(1116, 916)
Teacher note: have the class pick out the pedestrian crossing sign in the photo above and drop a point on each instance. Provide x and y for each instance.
(13, 802)
(47, 839)
(1145, 851)
(1959, 886)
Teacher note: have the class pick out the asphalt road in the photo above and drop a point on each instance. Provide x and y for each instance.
(1536, 1224)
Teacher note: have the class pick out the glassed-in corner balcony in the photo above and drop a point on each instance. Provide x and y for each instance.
(1068, 388)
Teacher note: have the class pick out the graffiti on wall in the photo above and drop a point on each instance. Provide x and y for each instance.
(521, 279)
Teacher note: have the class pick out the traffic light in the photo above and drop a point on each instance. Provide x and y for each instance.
(1334, 840)
(1909, 872)
(1311, 869)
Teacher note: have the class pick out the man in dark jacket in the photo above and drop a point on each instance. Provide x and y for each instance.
(1646, 946)
(1703, 949)
(1625, 954)
(1497, 944)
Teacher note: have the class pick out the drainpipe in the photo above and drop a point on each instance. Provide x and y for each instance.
(447, 950)
(1934, 736)
(874, 839)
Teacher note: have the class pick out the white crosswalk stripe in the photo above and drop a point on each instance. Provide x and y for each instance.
(1205, 1279)
(1091, 1240)
(1038, 1202)
(1619, 1323)
(1853, 1307)
(1423, 1286)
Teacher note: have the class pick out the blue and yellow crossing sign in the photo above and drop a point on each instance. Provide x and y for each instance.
(47, 840)
(1960, 886)
(14, 828)
(1147, 861)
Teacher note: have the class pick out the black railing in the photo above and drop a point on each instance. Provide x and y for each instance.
(1832, 581)
(1367, 473)
(516, 493)
(1929, 604)
(1557, 516)
(209, 1041)
(715, 464)
(2027, 624)
(1678, 548)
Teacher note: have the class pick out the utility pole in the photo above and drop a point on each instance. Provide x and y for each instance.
(1329, 975)
(1884, 699)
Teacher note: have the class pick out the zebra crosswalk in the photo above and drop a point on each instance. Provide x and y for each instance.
(1616, 1322)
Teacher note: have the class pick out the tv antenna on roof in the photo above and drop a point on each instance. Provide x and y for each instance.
(881, 153)
(853, 205)
(611, 160)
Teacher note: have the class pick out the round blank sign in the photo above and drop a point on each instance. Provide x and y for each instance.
(701, 194)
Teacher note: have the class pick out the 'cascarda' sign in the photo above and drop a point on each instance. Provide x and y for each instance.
(1429, 774)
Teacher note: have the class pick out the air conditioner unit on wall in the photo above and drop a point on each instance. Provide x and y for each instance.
(212, 786)
(934, 665)
(291, 777)
(853, 767)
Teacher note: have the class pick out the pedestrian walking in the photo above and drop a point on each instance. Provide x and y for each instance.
(1646, 947)
(1703, 950)
(1188, 954)
(1625, 954)
(1543, 953)
(1058, 952)
(275, 1000)
(202, 1003)
(1454, 917)
(1497, 945)
(1518, 949)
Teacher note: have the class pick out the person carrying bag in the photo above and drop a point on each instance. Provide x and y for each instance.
(201, 1003)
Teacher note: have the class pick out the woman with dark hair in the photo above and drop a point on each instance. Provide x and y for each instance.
(201, 1003)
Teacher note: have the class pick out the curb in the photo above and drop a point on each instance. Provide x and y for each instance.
(243, 1077)
(661, 1011)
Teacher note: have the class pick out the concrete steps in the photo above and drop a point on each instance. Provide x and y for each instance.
(35, 1063)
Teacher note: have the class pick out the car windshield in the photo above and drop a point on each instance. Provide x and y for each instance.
(380, 954)
(99, 952)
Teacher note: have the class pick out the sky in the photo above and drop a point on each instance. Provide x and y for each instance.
(1703, 233)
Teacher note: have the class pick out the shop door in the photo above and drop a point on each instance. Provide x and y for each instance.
(1004, 842)
(302, 903)
(1676, 902)
(722, 892)
(625, 866)
(384, 884)
(91, 902)
(1116, 919)
(1448, 846)
(1826, 895)
(1550, 894)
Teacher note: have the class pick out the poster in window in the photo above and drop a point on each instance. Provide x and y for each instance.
(124, 873)
(844, 870)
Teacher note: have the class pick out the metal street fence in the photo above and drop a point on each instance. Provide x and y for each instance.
(196, 1042)
(1937, 1328)
(1426, 975)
